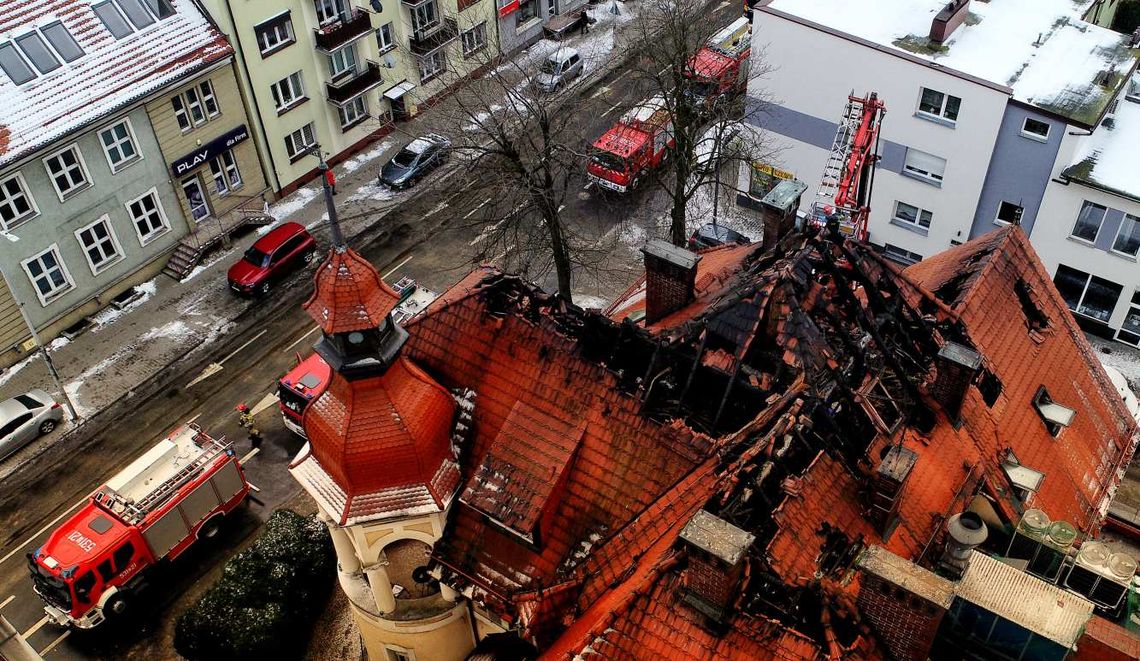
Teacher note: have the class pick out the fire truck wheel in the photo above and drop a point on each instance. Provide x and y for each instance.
(211, 528)
(118, 605)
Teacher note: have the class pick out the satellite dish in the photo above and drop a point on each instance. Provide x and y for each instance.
(376, 6)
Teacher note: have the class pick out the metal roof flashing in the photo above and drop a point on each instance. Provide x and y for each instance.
(717, 537)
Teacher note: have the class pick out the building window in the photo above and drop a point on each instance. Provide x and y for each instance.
(528, 9)
(927, 167)
(37, 52)
(208, 100)
(352, 113)
(48, 275)
(431, 65)
(1008, 213)
(195, 106)
(424, 17)
(475, 39)
(16, 204)
(1087, 294)
(160, 8)
(68, 172)
(112, 19)
(1089, 221)
(327, 11)
(938, 104)
(149, 218)
(910, 215)
(196, 198)
(901, 255)
(299, 141)
(1130, 330)
(1035, 129)
(99, 245)
(342, 61)
(224, 168)
(288, 92)
(384, 40)
(274, 34)
(119, 146)
(1128, 237)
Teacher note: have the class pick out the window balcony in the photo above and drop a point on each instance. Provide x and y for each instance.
(434, 37)
(347, 88)
(355, 25)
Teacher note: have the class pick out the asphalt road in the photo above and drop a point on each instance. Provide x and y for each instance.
(433, 237)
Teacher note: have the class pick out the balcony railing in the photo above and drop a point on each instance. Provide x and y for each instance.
(348, 88)
(434, 37)
(350, 27)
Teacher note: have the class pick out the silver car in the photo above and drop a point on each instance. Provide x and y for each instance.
(25, 417)
(558, 69)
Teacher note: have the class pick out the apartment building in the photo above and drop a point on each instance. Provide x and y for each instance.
(981, 99)
(340, 74)
(521, 21)
(86, 198)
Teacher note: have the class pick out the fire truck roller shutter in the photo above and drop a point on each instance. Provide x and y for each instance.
(199, 503)
(165, 533)
(227, 481)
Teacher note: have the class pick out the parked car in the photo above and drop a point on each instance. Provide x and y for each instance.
(275, 255)
(710, 236)
(558, 69)
(26, 417)
(411, 163)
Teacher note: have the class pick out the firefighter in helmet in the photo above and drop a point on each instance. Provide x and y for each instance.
(246, 422)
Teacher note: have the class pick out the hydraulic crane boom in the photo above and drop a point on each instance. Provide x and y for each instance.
(844, 193)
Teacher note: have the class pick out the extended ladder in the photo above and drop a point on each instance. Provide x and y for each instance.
(840, 150)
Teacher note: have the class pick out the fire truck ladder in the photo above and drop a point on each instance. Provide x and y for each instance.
(175, 482)
(840, 150)
(845, 188)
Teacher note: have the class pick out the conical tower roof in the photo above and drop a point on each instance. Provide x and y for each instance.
(349, 295)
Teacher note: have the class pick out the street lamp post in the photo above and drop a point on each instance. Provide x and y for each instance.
(71, 412)
(334, 223)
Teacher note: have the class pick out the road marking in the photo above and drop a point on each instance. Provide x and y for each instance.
(55, 642)
(612, 108)
(603, 89)
(214, 368)
(503, 254)
(560, 208)
(439, 207)
(41, 531)
(394, 268)
(481, 205)
(721, 5)
(302, 338)
(662, 72)
(35, 627)
(191, 420)
(266, 402)
(7, 601)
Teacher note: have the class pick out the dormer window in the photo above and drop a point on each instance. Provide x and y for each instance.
(1025, 480)
(1055, 416)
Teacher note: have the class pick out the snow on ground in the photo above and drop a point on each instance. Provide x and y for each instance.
(282, 209)
(588, 302)
(1124, 358)
(201, 268)
(700, 210)
(110, 313)
(372, 191)
(360, 160)
(15, 369)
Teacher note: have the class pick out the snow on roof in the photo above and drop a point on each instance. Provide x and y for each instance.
(1107, 158)
(109, 75)
(1042, 49)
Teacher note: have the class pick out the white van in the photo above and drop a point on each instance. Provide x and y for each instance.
(558, 69)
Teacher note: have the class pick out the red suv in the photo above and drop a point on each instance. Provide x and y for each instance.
(274, 256)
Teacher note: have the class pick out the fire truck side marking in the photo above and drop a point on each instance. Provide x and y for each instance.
(85, 543)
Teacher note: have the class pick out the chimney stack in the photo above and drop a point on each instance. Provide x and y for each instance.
(948, 20)
(957, 365)
(778, 210)
(670, 279)
(717, 557)
(890, 479)
(964, 533)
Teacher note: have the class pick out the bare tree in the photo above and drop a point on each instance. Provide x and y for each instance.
(710, 130)
(526, 149)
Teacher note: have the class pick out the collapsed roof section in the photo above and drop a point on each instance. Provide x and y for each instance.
(812, 398)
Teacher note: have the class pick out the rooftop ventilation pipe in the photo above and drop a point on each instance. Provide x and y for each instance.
(964, 533)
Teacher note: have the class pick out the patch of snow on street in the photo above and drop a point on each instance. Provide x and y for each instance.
(175, 330)
(110, 313)
(360, 160)
(371, 191)
(15, 369)
(199, 269)
(289, 206)
(58, 343)
(589, 302)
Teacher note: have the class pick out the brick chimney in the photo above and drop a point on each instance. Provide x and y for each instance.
(957, 365)
(717, 557)
(903, 602)
(890, 479)
(948, 20)
(670, 278)
(778, 210)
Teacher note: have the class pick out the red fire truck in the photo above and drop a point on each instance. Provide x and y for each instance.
(152, 510)
(720, 69)
(302, 385)
(631, 148)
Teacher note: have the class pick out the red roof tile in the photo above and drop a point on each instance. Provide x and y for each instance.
(111, 74)
(349, 294)
(1107, 641)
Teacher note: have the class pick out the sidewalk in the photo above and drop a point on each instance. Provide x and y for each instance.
(176, 320)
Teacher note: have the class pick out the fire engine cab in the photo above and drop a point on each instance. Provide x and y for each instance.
(627, 152)
(153, 510)
(299, 388)
(720, 68)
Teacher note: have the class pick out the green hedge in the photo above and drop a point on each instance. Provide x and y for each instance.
(268, 596)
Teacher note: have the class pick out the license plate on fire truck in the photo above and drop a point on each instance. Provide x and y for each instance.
(607, 184)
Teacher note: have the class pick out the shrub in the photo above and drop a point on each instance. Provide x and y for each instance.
(267, 597)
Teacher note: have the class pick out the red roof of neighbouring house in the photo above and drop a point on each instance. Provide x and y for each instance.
(349, 294)
(111, 74)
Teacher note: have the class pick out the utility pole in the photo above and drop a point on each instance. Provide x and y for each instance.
(73, 415)
(323, 167)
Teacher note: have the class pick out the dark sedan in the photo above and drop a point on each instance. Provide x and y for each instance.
(709, 236)
(419, 157)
